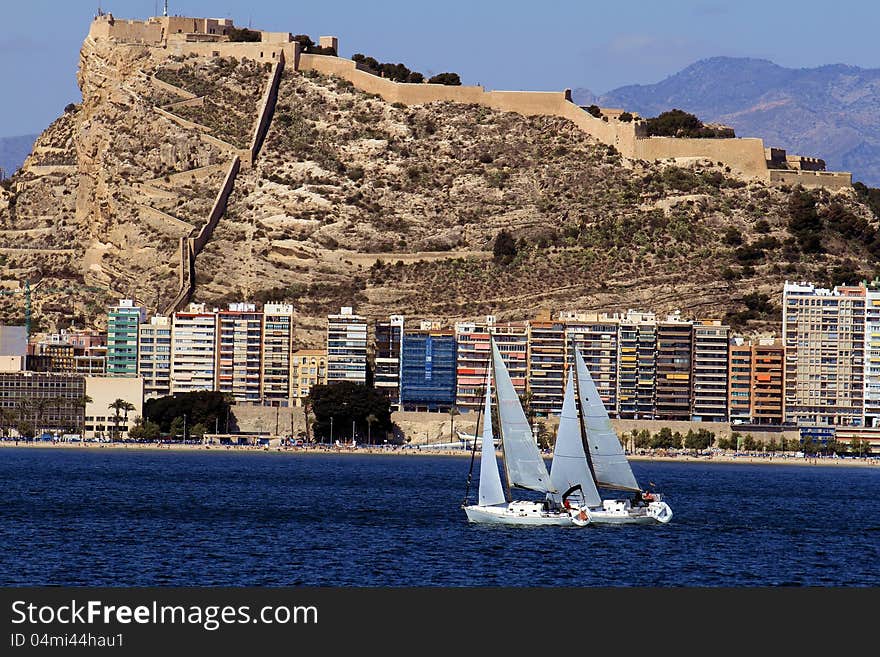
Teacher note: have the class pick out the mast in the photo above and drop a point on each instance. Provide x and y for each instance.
(570, 471)
(491, 492)
(584, 442)
(500, 428)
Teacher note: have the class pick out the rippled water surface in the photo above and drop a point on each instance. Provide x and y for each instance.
(264, 519)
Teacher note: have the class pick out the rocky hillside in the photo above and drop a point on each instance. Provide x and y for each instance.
(393, 209)
(832, 112)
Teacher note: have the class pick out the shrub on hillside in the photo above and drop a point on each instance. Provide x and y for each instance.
(396, 72)
(504, 249)
(732, 236)
(870, 195)
(804, 222)
(678, 123)
(243, 34)
(451, 79)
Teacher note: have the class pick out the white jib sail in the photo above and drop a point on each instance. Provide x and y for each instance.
(522, 458)
(610, 464)
(491, 490)
(570, 466)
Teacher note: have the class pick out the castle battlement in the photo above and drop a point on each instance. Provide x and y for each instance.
(204, 37)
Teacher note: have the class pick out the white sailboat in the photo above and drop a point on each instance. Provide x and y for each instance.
(608, 464)
(523, 465)
(570, 471)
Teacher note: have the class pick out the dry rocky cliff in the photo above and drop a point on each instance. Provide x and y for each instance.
(392, 209)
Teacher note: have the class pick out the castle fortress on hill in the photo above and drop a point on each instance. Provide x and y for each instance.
(747, 158)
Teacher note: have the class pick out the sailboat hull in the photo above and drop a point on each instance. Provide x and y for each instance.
(520, 513)
(621, 512)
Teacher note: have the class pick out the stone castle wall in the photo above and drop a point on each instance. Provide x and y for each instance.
(199, 241)
(832, 180)
(257, 51)
(745, 157)
(267, 107)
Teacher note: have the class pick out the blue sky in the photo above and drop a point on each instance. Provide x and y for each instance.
(549, 45)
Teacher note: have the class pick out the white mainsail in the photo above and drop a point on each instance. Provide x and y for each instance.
(570, 467)
(610, 465)
(491, 490)
(522, 459)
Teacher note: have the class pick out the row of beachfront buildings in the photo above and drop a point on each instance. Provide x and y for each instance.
(825, 369)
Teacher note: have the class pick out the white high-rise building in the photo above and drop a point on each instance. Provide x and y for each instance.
(872, 358)
(193, 347)
(277, 353)
(239, 345)
(824, 335)
(154, 356)
(346, 347)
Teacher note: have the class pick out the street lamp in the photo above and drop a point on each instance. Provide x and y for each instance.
(331, 429)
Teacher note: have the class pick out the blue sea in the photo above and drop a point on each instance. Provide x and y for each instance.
(150, 518)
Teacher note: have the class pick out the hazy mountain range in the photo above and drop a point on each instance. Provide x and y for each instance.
(13, 151)
(831, 112)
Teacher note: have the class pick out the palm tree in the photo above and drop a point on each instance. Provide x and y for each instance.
(82, 402)
(56, 403)
(40, 405)
(117, 406)
(6, 418)
(370, 420)
(453, 411)
(128, 406)
(307, 409)
(25, 407)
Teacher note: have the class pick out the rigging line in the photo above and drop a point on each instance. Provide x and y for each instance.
(573, 371)
(467, 487)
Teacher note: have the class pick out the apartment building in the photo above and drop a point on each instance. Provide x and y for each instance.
(872, 359)
(546, 378)
(824, 336)
(103, 391)
(239, 345)
(739, 380)
(596, 338)
(154, 356)
(636, 365)
(473, 353)
(387, 349)
(428, 369)
(68, 352)
(768, 367)
(346, 347)
(193, 349)
(46, 401)
(277, 354)
(755, 381)
(122, 336)
(710, 371)
(674, 366)
(308, 369)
